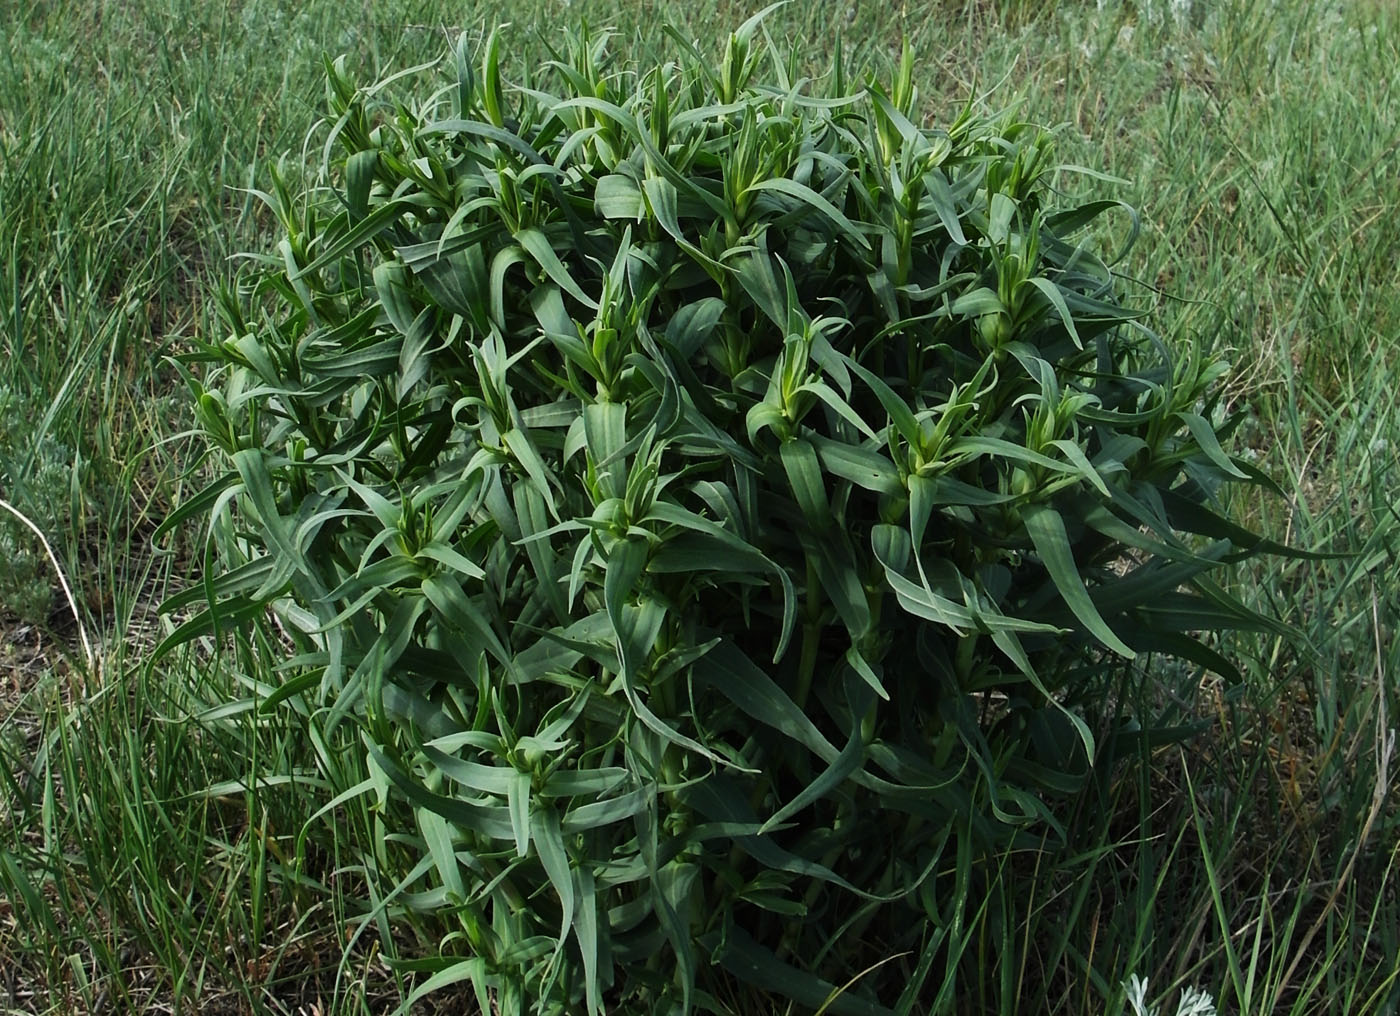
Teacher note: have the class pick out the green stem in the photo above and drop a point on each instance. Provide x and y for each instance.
(966, 656)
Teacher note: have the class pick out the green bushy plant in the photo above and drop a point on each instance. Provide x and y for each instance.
(723, 510)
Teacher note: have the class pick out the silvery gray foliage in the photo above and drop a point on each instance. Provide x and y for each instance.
(1193, 1001)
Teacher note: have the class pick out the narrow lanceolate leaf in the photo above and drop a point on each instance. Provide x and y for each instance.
(518, 803)
(448, 599)
(360, 233)
(200, 504)
(865, 467)
(474, 969)
(619, 197)
(1076, 456)
(719, 549)
(839, 771)
(824, 208)
(605, 427)
(898, 409)
(728, 671)
(518, 443)
(243, 579)
(608, 811)
(672, 893)
(586, 929)
(663, 200)
(1057, 300)
(474, 776)
(538, 246)
(1047, 532)
(1204, 434)
(718, 800)
(549, 844)
(757, 965)
(223, 616)
(374, 360)
(760, 280)
(945, 204)
(445, 555)
(805, 478)
(438, 835)
(258, 488)
(486, 820)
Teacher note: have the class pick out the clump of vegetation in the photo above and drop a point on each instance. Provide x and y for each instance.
(729, 514)
(36, 477)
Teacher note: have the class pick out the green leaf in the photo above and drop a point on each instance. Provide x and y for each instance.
(1057, 300)
(438, 835)
(865, 467)
(359, 176)
(753, 964)
(944, 203)
(537, 245)
(619, 197)
(806, 196)
(609, 811)
(898, 409)
(448, 600)
(489, 821)
(548, 838)
(805, 480)
(391, 283)
(1205, 437)
(518, 804)
(605, 428)
(1194, 517)
(755, 273)
(289, 689)
(728, 671)
(474, 969)
(662, 198)
(693, 324)
(200, 504)
(586, 930)
(360, 233)
(518, 443)
(838, 772)
(720, 550)
(1047, 532)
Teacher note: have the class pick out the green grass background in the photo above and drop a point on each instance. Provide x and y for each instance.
(163, 845)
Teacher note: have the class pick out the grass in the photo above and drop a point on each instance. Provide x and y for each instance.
(163, 845)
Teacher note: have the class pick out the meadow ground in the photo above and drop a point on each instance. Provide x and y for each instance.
(144, 868)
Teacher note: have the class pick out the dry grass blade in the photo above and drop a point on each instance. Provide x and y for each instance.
(89, 656)
(1380, 791)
